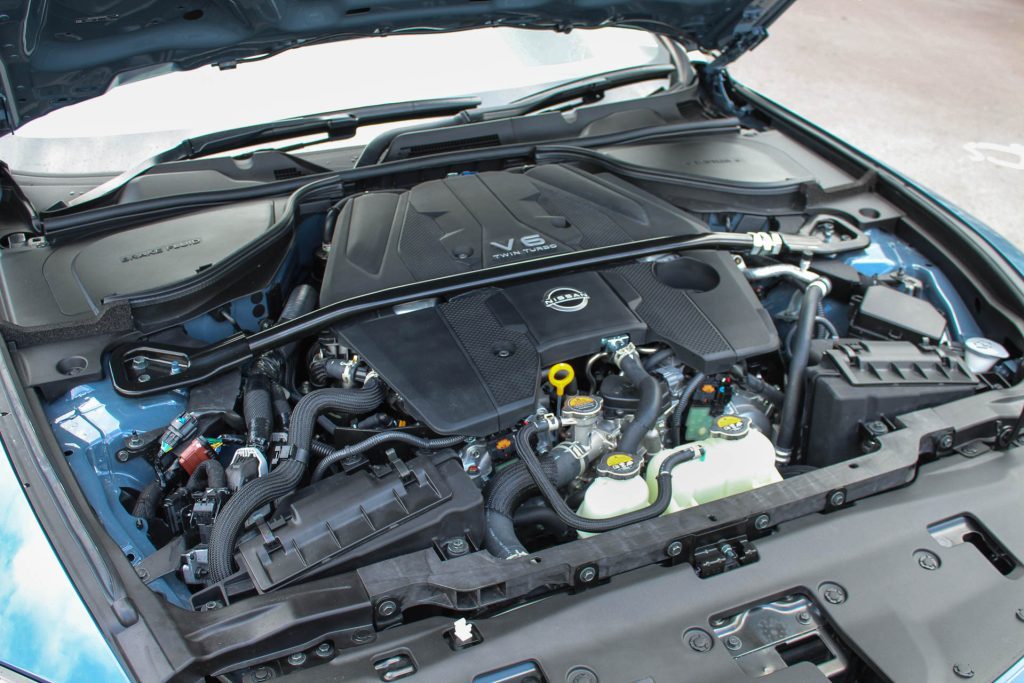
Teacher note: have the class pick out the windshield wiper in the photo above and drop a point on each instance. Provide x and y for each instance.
(338, 125)
(588, 89)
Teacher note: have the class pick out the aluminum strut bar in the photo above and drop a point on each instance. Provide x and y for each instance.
(143, 367)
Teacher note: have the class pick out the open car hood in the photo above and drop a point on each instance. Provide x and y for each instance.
(62, 52)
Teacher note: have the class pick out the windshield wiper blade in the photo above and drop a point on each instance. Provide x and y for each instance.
(337, 125)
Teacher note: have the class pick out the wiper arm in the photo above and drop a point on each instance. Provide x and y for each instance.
(337, 125)
(589, 89)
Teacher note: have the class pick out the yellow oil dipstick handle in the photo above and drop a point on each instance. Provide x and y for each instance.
(560, 376)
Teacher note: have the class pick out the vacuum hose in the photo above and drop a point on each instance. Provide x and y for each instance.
(377, 439)
(209, 474)
(805, 324)
(289, 472)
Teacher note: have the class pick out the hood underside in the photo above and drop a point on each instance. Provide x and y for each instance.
(59, 53)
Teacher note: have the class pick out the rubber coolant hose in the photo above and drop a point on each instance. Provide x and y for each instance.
(805, 324)
(649, 407)
(508, 489)
(596, 526)
(257, 406)
(289, 472)
(377, 439)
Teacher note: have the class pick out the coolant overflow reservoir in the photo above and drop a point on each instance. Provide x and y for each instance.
(736, 459)
(618, 489)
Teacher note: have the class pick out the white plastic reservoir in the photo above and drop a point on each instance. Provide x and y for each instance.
(618, 488)
(736, 459)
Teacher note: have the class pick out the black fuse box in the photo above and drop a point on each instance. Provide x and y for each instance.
(889, 314)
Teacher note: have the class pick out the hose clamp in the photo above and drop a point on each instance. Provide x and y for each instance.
(549, 422)
(627, 350)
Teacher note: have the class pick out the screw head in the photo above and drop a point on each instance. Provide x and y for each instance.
(587, 574)
(674, 549)
(387, 608)
(698, 640)
(122, 456)
(362, 636)
(927, 560)
(833, 593)
(837, 499)
(762, 522)
(262, 673)
(211, 605)
(581, 675)
(803, 618)
(297, 658)
(324, 650)
(946, 441)
(733, 643)
(963, 670)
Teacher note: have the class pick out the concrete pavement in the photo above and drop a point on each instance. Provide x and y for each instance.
(933, 88)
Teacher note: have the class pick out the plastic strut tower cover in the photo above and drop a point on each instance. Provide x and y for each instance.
(467, 222)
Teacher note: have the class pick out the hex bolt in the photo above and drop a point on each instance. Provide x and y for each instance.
(262, 673)
(140, 363)
(674, 549)
(803, 618)
(587, 574)
(946, 441)
(456, 546)
(134, 441)
(386, 608)
(837, 499)
(211, 605)
(762, 522)
(324, 650)
(727, 550)
(122, 456)
(833, 593)
(733, 643)
(963, 670)
(297, 659)
(699, 641)
(927, 560)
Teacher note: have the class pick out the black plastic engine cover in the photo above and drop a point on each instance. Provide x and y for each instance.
(472, 365)
(467, 222)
